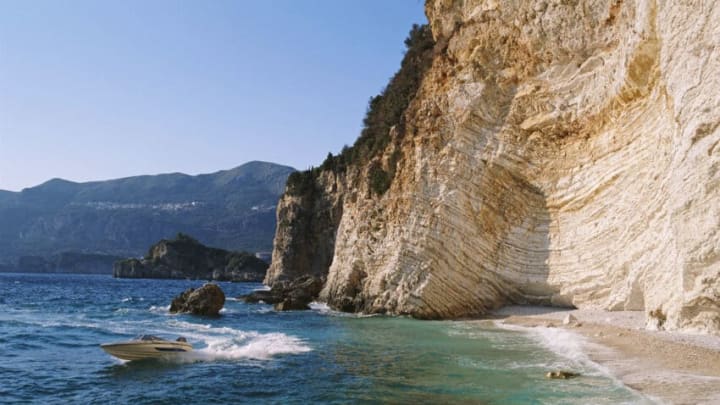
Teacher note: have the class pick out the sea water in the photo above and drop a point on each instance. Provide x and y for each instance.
(51, 327)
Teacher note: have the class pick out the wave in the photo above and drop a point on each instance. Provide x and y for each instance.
(324, 309)
(263, 309)
(251, 346)
(321, 307)
(226, 343)
(159, 309)
(570, 347)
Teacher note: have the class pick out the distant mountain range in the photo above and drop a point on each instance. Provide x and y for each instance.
(231, 209)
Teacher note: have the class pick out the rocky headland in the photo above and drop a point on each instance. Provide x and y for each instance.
(186, 258)
(562, 153)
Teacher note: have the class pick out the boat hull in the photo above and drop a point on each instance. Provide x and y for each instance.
(146, 350)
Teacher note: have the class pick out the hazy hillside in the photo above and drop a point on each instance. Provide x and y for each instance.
(232, 209)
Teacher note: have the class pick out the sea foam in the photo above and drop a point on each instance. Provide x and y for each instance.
(250, 345)
(159, 309)
(226, 343)
(569, 346)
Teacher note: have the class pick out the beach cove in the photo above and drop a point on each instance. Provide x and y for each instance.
(51, 326)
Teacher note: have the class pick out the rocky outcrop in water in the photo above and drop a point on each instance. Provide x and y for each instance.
(207, 300)
(186, 258)
(555, 152)
(288, 295)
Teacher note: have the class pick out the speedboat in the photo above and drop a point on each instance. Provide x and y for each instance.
(147, 347)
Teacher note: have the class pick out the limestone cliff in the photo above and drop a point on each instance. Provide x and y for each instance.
(558, 152)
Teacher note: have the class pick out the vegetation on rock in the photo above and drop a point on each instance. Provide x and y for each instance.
(185, 257)
(385, 112)
(309, 220)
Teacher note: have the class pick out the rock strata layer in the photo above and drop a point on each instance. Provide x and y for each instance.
(556, 152)
(186, 258)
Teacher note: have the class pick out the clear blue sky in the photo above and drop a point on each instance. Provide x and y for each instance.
(94, 90)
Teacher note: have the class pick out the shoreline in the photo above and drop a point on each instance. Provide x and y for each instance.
(668, 367)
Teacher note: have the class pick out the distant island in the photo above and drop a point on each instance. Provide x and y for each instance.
(47, 227)
(186, 258)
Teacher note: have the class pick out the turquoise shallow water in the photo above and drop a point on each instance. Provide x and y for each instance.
(51, 325)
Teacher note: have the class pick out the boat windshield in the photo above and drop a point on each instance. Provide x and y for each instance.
(148, 337)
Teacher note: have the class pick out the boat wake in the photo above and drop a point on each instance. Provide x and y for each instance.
(224, 343)
(251, 346)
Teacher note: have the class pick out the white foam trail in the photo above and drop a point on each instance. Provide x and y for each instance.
(126, 299)
(253, 346)
(225, 343)
(192, 326)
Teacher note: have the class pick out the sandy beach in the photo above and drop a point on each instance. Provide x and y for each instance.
(667, 367)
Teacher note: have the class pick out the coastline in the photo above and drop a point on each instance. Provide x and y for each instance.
(668, 367)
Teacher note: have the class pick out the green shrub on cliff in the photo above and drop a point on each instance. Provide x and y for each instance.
(302, 183)
(379, 179)
(385, 111)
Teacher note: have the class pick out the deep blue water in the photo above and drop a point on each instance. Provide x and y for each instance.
(51, 326)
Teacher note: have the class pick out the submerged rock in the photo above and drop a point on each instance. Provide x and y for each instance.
(206, 300)
(288, 295)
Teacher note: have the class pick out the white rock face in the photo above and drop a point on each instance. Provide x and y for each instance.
(563, 152)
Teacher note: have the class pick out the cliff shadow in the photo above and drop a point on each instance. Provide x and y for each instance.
(515, 222)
